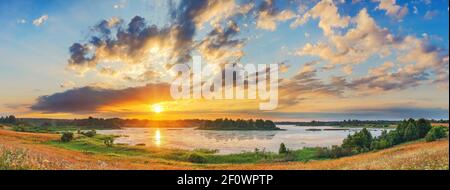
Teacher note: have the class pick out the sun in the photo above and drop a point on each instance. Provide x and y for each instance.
(157, 108)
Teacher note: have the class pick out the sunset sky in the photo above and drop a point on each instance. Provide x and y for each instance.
(341, 59)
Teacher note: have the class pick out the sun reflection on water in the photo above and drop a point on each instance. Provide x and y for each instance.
(157, 137)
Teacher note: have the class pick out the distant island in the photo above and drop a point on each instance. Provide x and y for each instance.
(240, 124)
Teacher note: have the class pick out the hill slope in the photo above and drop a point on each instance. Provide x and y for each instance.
(417, 155)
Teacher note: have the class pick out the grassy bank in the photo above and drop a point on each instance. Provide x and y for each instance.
(51, 129)
(95, 145)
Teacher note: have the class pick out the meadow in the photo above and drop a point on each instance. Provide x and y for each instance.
(38, 150)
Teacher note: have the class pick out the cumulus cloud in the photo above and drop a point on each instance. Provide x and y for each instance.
(91, 99)
(328, 14)
(129, 45)
(392, 9)
(140, 43)
(41, 20)
(348, 41)
(269, 15)
(416, 61)
(355, 46)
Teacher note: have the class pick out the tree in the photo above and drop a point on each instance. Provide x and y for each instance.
(424, 127)
(283, 149)
(108, 141)
(66, 137)
(8, 119)
(435, 134)
(411, 132)
(360, 141)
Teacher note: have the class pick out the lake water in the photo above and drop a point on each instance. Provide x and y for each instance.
(228, 142)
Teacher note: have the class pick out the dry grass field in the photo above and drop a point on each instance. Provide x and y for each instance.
(27, 151)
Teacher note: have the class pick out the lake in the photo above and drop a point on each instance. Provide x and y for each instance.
(229, 142)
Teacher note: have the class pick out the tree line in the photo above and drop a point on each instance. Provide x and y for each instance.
(363, 141)
(349, 122)
(8, 119)
(239, 124)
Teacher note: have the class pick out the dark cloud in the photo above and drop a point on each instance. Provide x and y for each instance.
(91, 99)
(128, 43)
(220, 45)
(111, 40)
(185, 14)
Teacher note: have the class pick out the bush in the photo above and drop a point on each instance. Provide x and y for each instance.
(283, 149)
(334, 152)
(109, 141)
(196, 158)
(436, 133)
(90, 133)
(66, 137)
(380, 144)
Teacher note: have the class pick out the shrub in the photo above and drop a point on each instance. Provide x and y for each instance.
(283, 149)
(436, 133)
(196, 158)
(90, 133)
(109, 141)
(66, 137)
(334, 152)
(380, 144)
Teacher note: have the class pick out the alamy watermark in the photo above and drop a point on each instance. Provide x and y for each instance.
(227, 82)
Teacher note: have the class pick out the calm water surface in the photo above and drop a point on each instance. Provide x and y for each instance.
(228, 142)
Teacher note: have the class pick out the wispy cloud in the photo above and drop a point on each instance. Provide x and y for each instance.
(431, 14)
(41, 20)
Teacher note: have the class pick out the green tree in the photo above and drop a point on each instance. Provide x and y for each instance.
(283, 149)
(436, 133)
(360, 141)
(109, 141)
(424, 127)
(412, 132)
(66, 137)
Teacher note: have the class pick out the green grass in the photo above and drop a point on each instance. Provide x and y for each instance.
(95, 145)
(51, 129)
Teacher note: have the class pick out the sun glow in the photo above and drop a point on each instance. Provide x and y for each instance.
(157, 108)
(157, 137)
